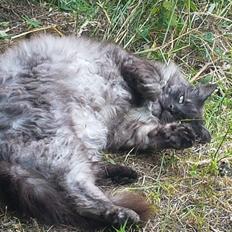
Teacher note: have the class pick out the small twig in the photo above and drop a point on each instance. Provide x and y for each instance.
(160, 170)
(227, 158)
(212, 15)
(214, 230)
(49, 229)
(197, 76)
(190, 120)
(58, 32)
(37, 30)
(201, 163)
(227, 207)
(127, 155)
(165, 45)
(223, 139)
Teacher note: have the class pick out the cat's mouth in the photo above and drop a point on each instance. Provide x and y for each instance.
(166, 116)
(202, 134)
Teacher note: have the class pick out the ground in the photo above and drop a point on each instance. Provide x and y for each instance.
(190, 190)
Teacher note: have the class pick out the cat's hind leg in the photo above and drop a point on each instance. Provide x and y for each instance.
(91, 202)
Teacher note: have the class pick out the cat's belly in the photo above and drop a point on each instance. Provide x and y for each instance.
(101, 91)
(63, 110)
(95, 105)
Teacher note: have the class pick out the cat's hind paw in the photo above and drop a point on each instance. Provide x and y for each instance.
(118, 216)
(118, 174)
(124, 175)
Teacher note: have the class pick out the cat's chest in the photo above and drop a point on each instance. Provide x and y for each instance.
(102, 90)
(94, 99)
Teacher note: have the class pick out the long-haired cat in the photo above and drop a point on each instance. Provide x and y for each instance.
(65, 100)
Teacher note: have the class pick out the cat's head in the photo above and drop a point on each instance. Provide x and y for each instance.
(181, 101)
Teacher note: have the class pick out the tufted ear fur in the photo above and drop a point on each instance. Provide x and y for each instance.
(204, 91)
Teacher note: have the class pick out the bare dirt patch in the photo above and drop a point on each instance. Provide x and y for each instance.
(14, 15)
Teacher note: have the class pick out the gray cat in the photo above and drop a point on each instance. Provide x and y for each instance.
(65, 100)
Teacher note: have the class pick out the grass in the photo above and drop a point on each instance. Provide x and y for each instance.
(189, 190)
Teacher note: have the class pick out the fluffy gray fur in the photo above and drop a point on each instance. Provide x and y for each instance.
(65, 100)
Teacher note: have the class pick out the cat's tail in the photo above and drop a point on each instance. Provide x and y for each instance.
(134, 201)
(30, 194)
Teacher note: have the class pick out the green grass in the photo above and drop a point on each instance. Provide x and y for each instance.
(185, 188)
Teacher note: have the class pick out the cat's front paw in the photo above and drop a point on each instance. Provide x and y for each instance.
(149, 87)
(181, 136)
(142, 76)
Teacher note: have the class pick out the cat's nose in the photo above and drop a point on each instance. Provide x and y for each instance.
(171, 107)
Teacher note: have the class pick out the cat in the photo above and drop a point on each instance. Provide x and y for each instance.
(65, 100)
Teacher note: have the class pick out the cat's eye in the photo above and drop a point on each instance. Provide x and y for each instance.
(181, 99)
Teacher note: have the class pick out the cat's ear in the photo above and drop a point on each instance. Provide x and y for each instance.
(204, 91)
(172, 75)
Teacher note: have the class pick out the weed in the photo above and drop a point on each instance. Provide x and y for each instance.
(31, 22)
